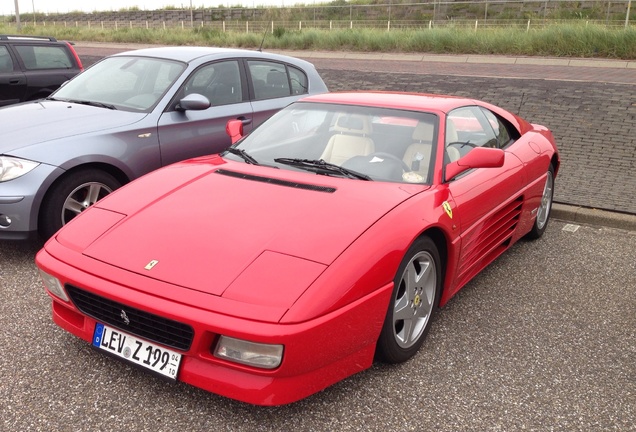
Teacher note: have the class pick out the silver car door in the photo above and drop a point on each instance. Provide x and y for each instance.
(186, 133)
(274, 85)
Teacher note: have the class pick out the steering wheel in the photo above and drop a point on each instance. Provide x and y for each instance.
(392, 158)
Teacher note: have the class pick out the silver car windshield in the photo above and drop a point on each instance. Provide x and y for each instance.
(125, 83)
(379, 143)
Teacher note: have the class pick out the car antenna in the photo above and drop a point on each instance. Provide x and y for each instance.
(260, 48)
(523, 95)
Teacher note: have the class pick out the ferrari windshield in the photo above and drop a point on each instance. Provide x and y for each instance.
(357, 142)
(125, 83)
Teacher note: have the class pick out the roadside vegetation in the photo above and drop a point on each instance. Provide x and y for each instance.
(558, 40)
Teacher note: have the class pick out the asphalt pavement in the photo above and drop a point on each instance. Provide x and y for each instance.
(543, 340)
(589, 104)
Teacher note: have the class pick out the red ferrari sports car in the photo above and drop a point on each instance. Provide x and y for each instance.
(326, 238)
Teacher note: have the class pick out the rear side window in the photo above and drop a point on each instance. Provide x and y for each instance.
(271, 80)
(6, 64)
(37, 57)
(298, 79)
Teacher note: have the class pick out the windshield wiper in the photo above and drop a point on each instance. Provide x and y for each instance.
(322, 167)
(91, 103)
(243, 155)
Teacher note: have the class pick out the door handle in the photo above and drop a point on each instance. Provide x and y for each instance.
(14, 81)
(245, 120)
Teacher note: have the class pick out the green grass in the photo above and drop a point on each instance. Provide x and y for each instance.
(571, 40)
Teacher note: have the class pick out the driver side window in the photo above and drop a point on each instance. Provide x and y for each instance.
(220, 82)
(467, 128)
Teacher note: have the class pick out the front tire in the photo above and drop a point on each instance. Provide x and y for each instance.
(73, 194)
(413, 304)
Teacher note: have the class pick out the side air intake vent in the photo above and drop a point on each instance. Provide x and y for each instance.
(275, 181)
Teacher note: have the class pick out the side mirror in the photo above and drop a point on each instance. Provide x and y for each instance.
(193, 102)
(234, 128)
(479, 157)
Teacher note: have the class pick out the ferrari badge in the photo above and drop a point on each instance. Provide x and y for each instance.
(448, 209)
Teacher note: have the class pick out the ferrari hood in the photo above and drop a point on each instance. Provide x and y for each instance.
(36, 122)
(207, 232)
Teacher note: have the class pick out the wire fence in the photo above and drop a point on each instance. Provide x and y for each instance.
(272, 26)
(394, 15)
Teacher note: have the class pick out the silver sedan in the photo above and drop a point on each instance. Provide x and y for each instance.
(127, 115)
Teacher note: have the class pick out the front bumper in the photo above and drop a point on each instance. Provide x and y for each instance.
(317, 353)
(20, 201)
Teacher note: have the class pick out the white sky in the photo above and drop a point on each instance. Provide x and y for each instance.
(7, 7)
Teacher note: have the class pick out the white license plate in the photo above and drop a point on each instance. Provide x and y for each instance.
(145, 354)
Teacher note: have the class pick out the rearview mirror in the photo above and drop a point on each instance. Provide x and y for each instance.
(479, 157)
(234, 128)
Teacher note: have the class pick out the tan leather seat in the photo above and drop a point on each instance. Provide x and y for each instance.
(451, 136)
(351, 140)
(418, 155)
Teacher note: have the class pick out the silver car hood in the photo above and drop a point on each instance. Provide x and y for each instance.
(36, 122)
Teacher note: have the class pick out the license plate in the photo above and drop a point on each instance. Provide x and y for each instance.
(145, 354)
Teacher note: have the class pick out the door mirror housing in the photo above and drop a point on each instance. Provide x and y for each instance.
(479, 157)
(193, 102)
(234, 128)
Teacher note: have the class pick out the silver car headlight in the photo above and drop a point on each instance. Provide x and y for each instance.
(11, 167)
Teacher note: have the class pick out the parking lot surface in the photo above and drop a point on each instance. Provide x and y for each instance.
(594, 122)
(589, 104)
(543, 340)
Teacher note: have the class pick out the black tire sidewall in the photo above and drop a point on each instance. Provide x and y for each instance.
(387, 348)
(537, 232)
(50, 212)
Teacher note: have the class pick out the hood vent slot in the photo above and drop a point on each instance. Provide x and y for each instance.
(276, 181)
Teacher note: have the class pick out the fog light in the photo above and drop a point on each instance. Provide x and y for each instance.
(5, 221)
(260, 355)
(53, 284)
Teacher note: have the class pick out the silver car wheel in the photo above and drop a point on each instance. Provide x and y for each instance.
(414, 299)
(543, 213)
(81, 198)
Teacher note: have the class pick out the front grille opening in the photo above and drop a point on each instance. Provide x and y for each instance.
(152, 327)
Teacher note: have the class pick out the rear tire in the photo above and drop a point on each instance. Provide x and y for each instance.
(73, 194)
(413, 304)
(545, 208)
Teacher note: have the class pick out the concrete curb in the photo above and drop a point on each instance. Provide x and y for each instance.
(591, 216)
